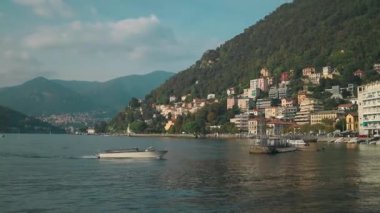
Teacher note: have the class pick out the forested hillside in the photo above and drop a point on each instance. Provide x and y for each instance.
(41, 96)
(15, 122)
(342, 34)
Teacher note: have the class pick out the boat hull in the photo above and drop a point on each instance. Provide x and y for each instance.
(286, 149)
(259, 149)
(138, 154)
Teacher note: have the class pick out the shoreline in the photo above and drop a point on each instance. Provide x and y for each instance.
(227, 136)
(221, 136)
(307, 138)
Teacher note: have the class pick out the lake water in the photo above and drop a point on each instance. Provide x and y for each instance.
(58, 173)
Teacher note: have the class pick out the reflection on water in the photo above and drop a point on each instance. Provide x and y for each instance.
(197, 175)
(287, 182)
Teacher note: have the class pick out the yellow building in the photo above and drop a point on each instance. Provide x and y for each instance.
(307, 107)
(264, 72)
(352, 122)
(306, 72)
(302, 95)
(317, 117)
(243, 104)
(168, 125)
(273, 112)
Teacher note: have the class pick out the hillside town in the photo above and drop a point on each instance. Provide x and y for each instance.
(272, 102)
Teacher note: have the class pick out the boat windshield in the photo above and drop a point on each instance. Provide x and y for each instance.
(122, 150)
(150, 149)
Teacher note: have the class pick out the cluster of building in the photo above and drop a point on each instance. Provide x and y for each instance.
(178, 108)
(310, 75)
(268, 103)
(280, 111)
(69, 119)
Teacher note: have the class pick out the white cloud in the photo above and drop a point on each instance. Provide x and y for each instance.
(104, 50)
(20, 66)
(136, 37)
(47, 8)
(129, 27)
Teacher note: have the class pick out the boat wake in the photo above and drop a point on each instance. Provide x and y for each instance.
(36, 156)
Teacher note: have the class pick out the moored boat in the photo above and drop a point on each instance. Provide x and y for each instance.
(296, 142)
(271, 145)
(260, 149)
(299, 144)
(340, 140)
(133, 153)
(354, 140)
(286, 149)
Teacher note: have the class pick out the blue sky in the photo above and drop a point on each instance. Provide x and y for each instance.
(98, 40)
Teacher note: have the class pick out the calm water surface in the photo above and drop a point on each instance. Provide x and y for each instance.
(58, 173)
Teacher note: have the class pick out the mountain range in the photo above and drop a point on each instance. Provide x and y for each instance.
(41, 96)
(342, 34)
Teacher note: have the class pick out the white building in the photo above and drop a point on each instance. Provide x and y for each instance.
(91, 131)
(172, 98)
(210, 96)
(230, 91)
(306, 108)
(241, 121)
(369, 108)
(327, 72)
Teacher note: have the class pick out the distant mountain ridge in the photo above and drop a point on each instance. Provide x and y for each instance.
(42, 96)
(15, 122)
(341, 34)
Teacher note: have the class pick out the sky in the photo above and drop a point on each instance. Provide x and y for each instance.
(98, 40)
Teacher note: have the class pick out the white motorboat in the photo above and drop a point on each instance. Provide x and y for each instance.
(374, 141)
(299, 144)
(340, 140)
(133, 153)
(354, 140)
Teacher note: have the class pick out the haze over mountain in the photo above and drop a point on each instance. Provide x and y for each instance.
(15, 122)
(42, 96)
(341, 34)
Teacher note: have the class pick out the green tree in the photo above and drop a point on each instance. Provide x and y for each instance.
(134, 103)
(138, 126)
(341, 124)
(101, 127)
(229, 128)
(211, 116)
(192, 127)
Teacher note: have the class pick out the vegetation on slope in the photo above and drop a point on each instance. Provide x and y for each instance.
(41, 96)
(341, 34)
(15, 122)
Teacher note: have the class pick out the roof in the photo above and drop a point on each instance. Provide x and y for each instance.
(345, 105)
(287, 99)
(325, 112)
